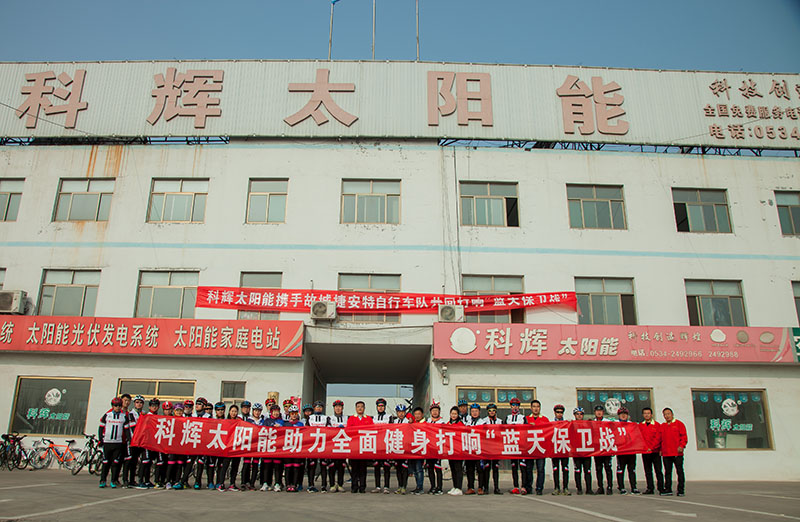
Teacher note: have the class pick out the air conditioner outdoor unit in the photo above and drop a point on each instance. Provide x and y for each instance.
(12, 301)
(451, 314)
(324, 310)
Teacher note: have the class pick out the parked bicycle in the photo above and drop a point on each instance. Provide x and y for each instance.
(12, 453)
(90, 456)
(42, 457)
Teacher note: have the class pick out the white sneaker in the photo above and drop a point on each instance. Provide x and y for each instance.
(265, 487)
(277, 487)
(456, 492)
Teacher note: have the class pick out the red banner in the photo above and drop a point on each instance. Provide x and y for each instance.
(236, 438)
(146, 336)
(280, 300)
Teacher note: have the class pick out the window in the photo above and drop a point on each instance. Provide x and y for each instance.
(371, 201)
(614, 398)
(166, 294)
(494, 285)
(51, 406)
(489, 204)
(596, 206)
(788, 212)
(260, 280)
(499, 396)
(715, 303)
(376, 283)
(84, 199)
(233, 392)
(605, 300)
(69, 292)
(266, 200)
(731, 419)
(10, 196)
(166, 390)
(701, 210)
(795, 289)
(3, 277)
(178, 201)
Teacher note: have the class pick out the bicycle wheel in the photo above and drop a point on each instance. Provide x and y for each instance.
(80, 462)
(71, 460)
(24, 454)
(14, 456)
(96, 462)
(40, 458)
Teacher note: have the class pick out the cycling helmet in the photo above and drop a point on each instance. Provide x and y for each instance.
(201, 400)
(491, 406)
(270, 400)
(435, 405)
(258, 406)
(154, 402)
(338, 402)
(219, 406)
(463, 402)
(577, 410)
(245, 404)
(400, 407)
(139, 398)
(623, 410)
(380, 401)
(514, 401)
(116, 401)
(293, 409)
(305, 407)
(475, 406)
(559, 407)
(274, 407)
(178, 406)
(167, 405)
(287, 402)
(188, 405)
(599, 408)
(319, 403)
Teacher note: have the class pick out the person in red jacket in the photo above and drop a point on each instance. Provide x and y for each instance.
(673, 442)
(651, 432)
(358, 467)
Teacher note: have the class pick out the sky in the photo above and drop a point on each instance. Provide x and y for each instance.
(729, 35)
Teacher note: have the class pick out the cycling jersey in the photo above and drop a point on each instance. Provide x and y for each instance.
(515, 418)
(338, 421)
(382, 418)
(114, 427)
(319, 419)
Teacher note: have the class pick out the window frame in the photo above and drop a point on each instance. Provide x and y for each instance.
(100, 197)
(194, 195)
(232, 400)
(4, 210)
(372, 193)
(262, 315)
(596, 199)
(699, 297)
(158, 382)
(489, 196)
(183, 295)
(2, 277)
(55, 287)
(795, 232)
(702, 203)
(767, 417)
(268, 195)
(795, 294)
(369, 318)
(475, 316)
(607, 293)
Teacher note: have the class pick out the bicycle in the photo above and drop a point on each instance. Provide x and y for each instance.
(14, 455)
(43, 457)
(90, 456)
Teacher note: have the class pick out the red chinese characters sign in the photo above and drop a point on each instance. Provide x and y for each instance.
(237, 438)
(281, 300)
(143, 336)
(553, 342)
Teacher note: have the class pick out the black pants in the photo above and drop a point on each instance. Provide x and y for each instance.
(493, 467)
(629, 462)
(161, 468)
(583, 465)
(235, 462)
(311, 469)
(653, 461)
(561, 464)
(273, 472)
(294, 472)
(384, 467)
(457, 473)
(145, 463)
(435, 473)
(222, 469)
(515, 465)
(677, 462)
(130, 464)
(113, 454)
(211, 466)
(530, 466)
(401, 466)
(336, 472)
(358, 471)
(601, 464)
(472, 466)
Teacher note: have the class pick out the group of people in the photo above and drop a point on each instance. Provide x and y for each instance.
(142, 468)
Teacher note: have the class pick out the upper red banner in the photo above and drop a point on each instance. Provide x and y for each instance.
(586, 343)
(145, 336)
(281, 300)
(237, 438)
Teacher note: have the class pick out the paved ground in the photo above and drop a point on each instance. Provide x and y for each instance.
(57, 495)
